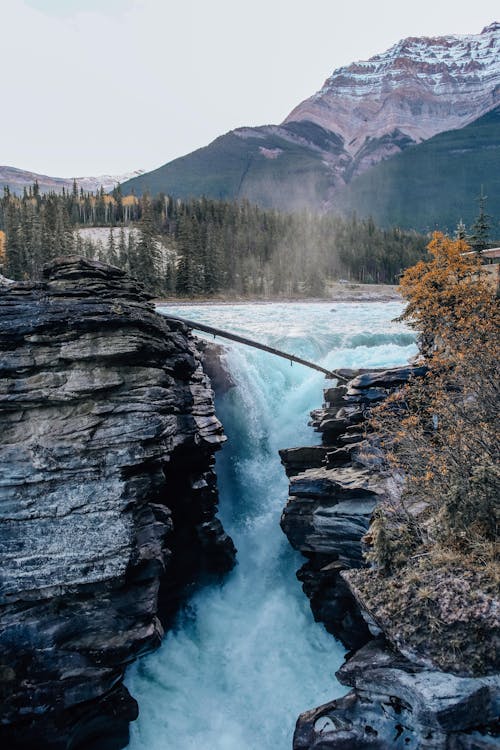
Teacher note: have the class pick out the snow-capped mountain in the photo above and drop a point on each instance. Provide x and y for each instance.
(17, 179)
(365, 113)
(419, 87)
(419, 118)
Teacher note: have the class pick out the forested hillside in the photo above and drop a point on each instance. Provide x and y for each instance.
(286, 168)
(432, 185)
(433, 585)
(202, 247)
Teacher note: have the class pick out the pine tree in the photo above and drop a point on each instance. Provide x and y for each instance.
(15, 265)
(147, 249)
(184, 279)
(480, 235)
(132, 265)
(123, 250)
(461, 231)
(112, 256)
(213, 262)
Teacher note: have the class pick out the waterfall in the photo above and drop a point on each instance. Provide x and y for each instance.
(245, 656)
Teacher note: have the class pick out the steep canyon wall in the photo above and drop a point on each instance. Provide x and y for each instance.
(107, 498)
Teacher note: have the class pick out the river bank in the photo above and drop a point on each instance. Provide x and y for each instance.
(110, 505)
(246, 656)
(337, 292)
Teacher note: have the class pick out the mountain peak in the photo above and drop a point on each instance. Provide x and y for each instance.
(383, 109)
(495, 26)
(420, 85)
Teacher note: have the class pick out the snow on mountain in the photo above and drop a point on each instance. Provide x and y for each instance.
(106, 181)
(365, 113)
(419, 87)
(17, 179)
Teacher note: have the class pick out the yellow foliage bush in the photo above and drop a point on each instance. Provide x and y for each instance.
(441, 433)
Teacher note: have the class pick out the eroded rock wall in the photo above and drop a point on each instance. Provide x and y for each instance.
(107, 497)
(394, 701)
(334, 490)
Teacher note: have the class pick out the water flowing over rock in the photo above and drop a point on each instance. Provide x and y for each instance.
(395, 701)
(107, 497)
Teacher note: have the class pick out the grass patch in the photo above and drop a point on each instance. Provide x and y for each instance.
(441, 608)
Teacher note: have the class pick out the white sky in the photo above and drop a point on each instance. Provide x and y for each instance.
(105, 86)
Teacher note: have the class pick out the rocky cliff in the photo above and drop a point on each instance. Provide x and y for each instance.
(334, 489)
(394, 701)
(107, 498)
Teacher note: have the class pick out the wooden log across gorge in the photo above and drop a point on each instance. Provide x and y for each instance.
(256, 344)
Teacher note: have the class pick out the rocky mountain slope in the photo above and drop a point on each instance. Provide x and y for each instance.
(18, 179)
(285, 167)
(419, 87)
(107, 498)
(365, 113)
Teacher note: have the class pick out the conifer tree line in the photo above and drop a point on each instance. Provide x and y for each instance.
(201, 246)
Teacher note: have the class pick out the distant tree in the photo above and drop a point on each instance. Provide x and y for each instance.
(480, 235)
(213, 245)
(146, 255)
(112, 255)
(185, 279)
(15, 261)
(315, 283)
(461, 231)
(213, 262)
(122, 249)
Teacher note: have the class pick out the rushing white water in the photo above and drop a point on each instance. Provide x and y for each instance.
(246, 657)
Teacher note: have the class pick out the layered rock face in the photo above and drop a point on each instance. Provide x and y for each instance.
(334, 490)
(107, 498)
(419, 87)
(399, 704)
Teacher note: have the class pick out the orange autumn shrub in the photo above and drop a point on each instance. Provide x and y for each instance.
(443, 429)
(435, 541)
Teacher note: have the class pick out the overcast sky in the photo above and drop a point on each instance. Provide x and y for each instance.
(105, 86)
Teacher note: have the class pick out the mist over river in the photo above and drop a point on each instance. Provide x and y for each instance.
(245, 656)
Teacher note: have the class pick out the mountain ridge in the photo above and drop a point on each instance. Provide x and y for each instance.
(17, 179)
(462, 162)
(365, 113)
(421, 86)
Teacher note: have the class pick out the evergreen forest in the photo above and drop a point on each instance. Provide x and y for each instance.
(201, 247)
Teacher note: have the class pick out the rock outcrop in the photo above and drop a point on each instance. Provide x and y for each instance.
(331, 504)
(108, 498)
(395, 701)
